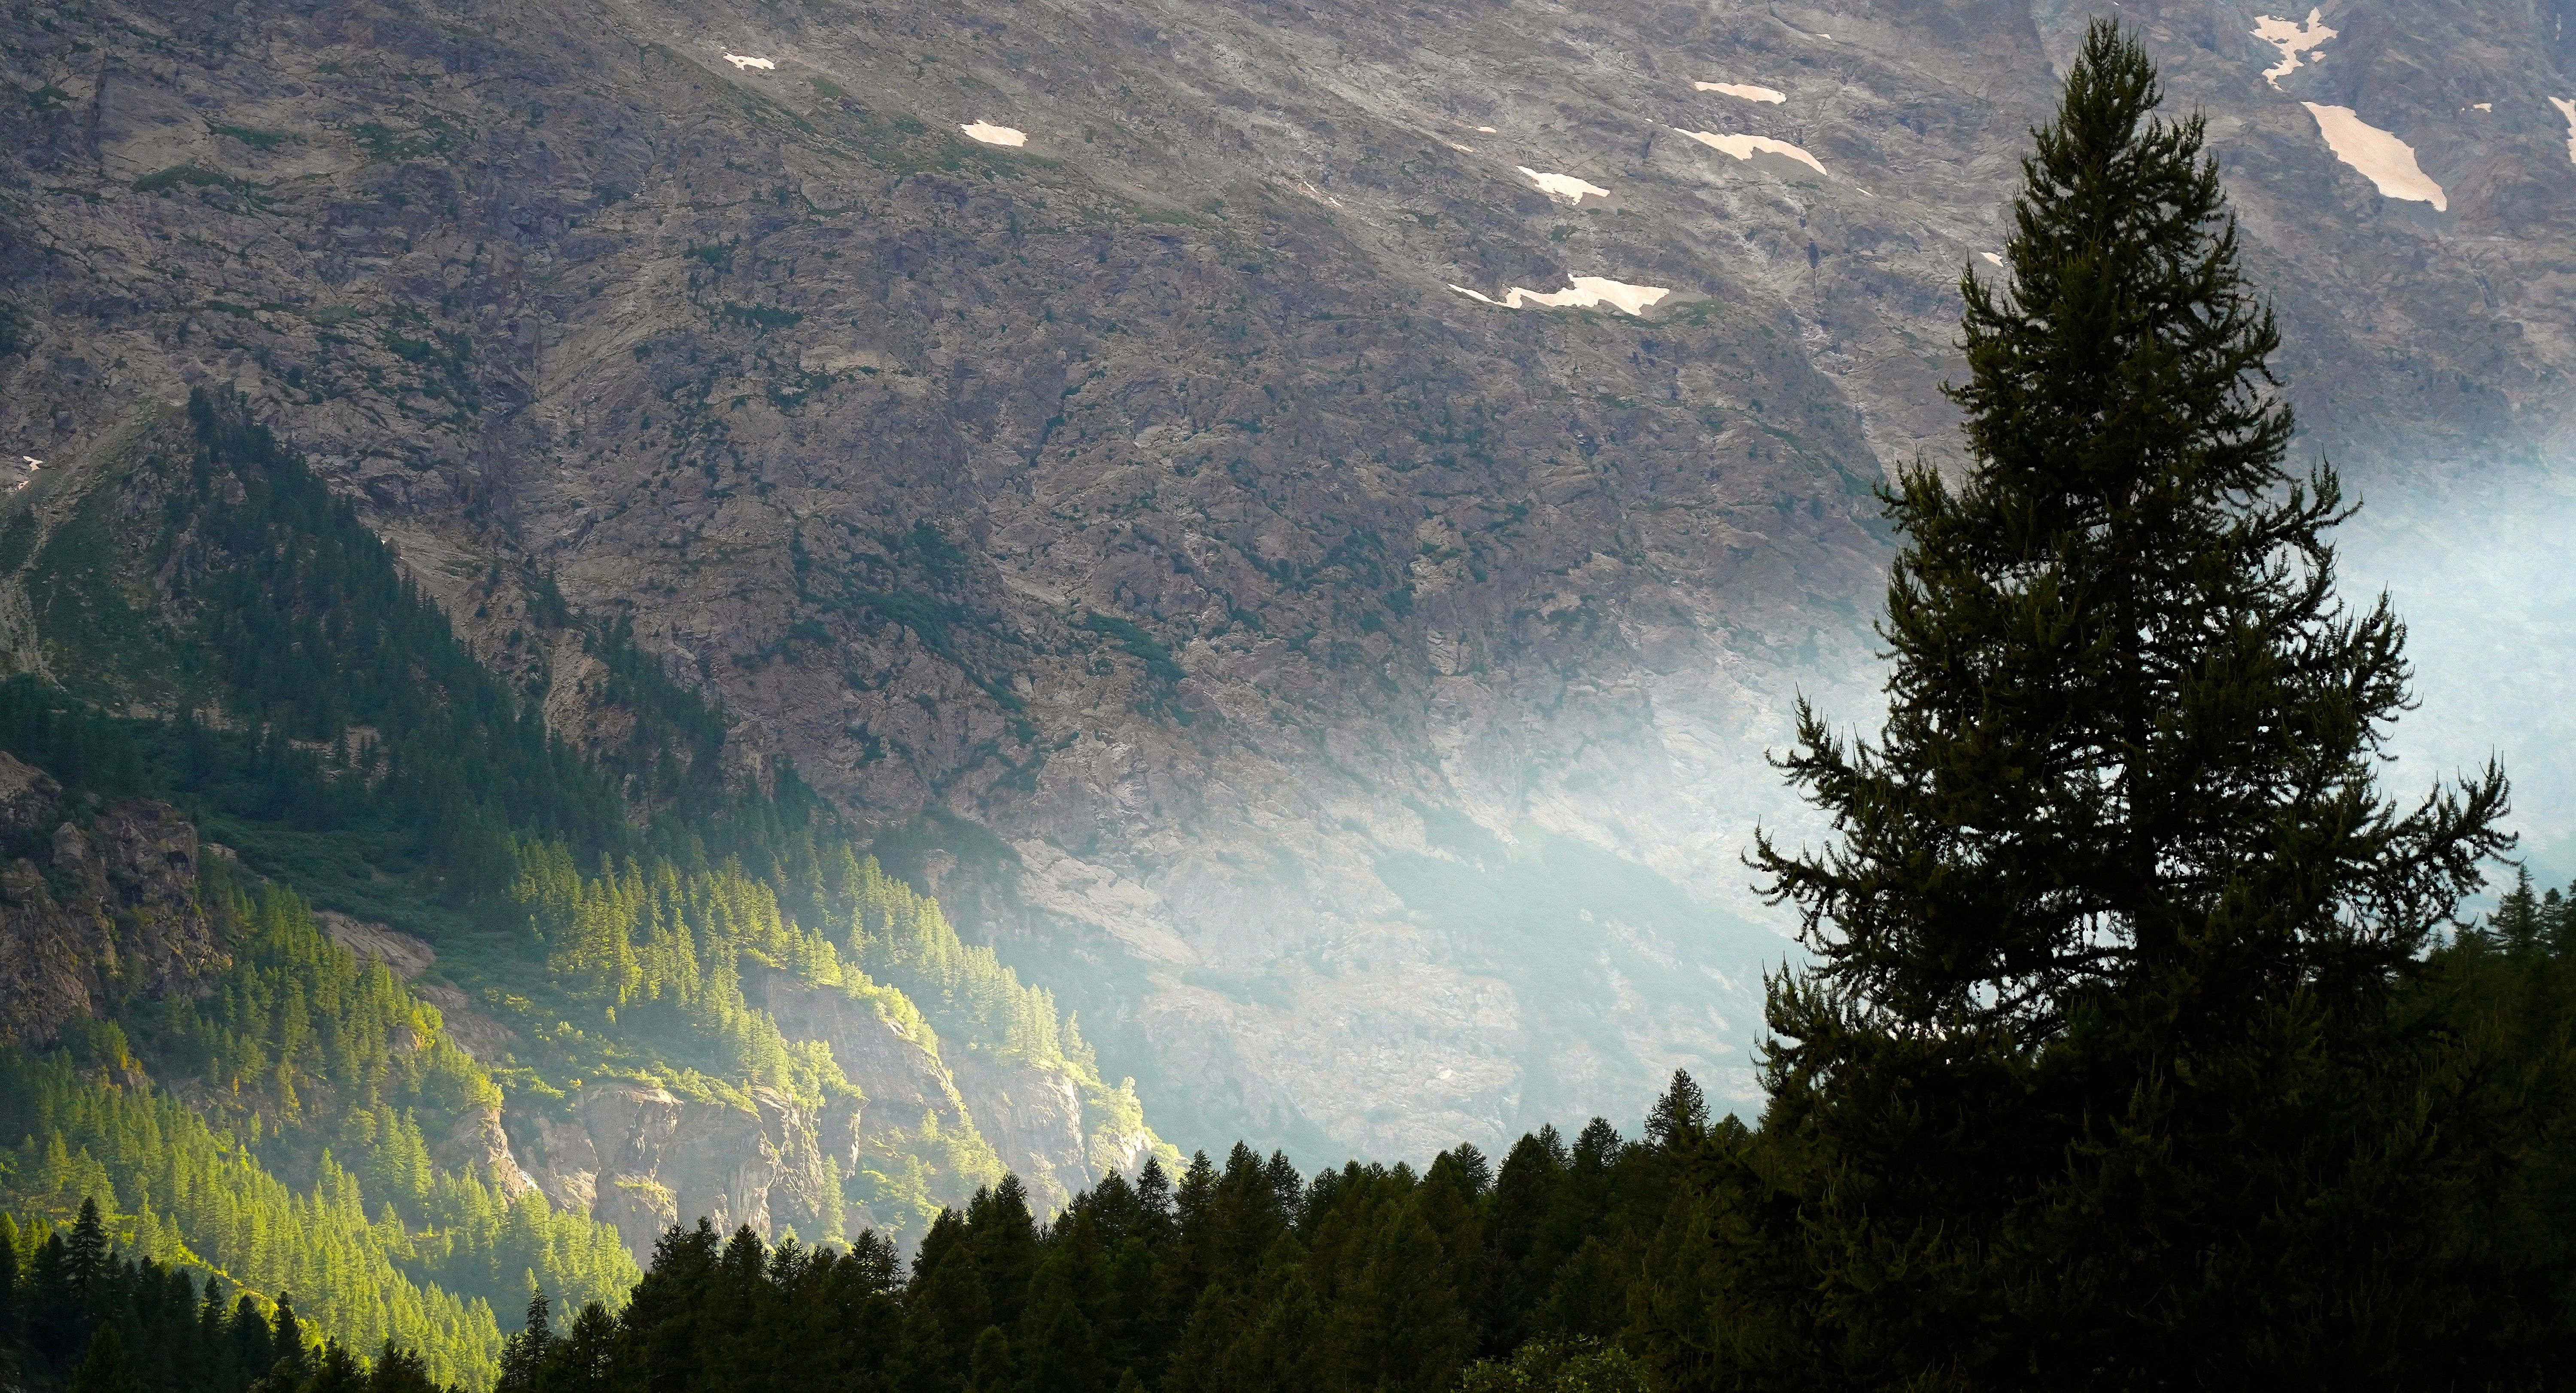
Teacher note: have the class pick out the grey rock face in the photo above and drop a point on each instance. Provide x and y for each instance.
(1033, 1117)
(120, 916)
(642, 1159)
(1364, 686)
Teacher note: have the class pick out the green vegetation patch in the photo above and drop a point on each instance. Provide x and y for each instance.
(253, 137)
(762, 318)
(192, 176)
(386, 145)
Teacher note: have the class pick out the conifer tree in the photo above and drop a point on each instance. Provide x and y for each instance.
(86, 1258)
(2098, 1076)
(1679, 1119)
(9, 1317)
(2517, 926)
(293, 1359)
(525, 1352)
(104, 1369)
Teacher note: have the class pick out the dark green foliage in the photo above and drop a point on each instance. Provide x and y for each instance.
(253, 137)
(2107, 1074)
(104, 1370)
(188, 176)
(1246, 1279)
(117, 1323)
(385, 144)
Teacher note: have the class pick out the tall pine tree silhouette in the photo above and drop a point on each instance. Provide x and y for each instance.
(2098, 1078)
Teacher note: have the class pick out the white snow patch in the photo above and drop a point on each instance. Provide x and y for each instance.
(744, 60)
(1487, 130)
(1990, 256)
(1461, 149)
(2567, 109)
(2293, 39)
(2486, 106)
(1564, 186)
(1581, 292)
(1745, 147)
(1746, 91)
(2388, 161)
(991, 134)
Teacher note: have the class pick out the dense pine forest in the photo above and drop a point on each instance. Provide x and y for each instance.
(2141, 1043)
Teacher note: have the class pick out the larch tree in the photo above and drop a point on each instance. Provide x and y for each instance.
(2100, 1076)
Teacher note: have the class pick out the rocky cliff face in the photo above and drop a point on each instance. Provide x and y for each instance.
(643, 1159)
(1350, 689)
(97, 913)
(1032, 1116)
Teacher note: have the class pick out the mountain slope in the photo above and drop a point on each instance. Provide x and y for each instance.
(1348, 692)
(532, 1071)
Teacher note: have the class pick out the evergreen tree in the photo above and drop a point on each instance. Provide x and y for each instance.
(9, 1315)
(294, 1356)
(1679, 1120)
(104, 1369)
(254, 1343)
(2099, 1077)
(2517, 926)
(85, 1264)
(524, 1353)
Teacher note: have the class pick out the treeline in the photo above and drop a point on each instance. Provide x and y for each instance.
(76, 1312)
(1590, 1266)
(1244, 1278)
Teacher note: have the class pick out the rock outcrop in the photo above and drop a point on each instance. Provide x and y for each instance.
(477, 1144)
(903, 1080)
(641, 1158)
(1033, 1117)
(118, 916)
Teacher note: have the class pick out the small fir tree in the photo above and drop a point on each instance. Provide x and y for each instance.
(105, 1368)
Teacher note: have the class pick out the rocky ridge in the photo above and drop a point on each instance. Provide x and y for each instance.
(1352, 691)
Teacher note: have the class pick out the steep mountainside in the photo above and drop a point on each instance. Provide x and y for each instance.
(551, 1003)
(1093, 441)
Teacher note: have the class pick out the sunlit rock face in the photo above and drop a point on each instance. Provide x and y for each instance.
(1352, 696)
